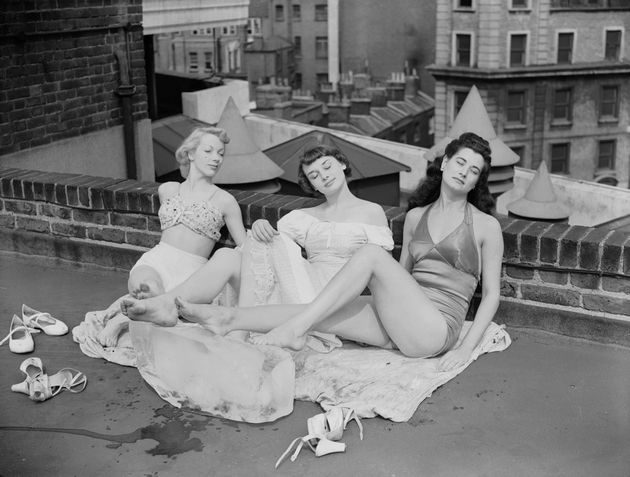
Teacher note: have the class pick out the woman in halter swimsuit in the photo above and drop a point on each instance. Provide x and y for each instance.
(418, 305)
(191, 215)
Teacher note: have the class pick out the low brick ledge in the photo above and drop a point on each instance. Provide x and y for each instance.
(110, 222)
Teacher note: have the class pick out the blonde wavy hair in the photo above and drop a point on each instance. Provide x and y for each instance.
(182, 155)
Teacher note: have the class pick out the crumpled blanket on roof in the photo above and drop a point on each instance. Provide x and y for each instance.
(379, 382)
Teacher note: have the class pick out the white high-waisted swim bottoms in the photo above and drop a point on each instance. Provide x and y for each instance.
(172, 264)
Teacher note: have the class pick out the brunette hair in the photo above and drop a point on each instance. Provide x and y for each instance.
(428, 190)
(310, 155)
(192, 142)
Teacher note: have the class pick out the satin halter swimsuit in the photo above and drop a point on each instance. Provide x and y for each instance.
(199, 216)
(448, 271)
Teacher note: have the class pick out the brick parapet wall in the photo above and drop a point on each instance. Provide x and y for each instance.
(110, 222)
(59, 77)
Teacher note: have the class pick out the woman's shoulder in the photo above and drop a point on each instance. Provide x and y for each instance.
(371, 213)
(168, 189)
(486, 223)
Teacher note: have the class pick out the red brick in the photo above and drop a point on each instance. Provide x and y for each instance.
(508, 289)
(106, 234)
(607, 304)
(569, 245)
(128, 220)
(558, 278)
(611, 252)
(519, 272)
(141, 239)
(554, 295)
(68, 229)
(550, 242)
(153, 224)
(20, 207)
(7, 221)
(511, 239)
(32, 224)
(616, 284)
(90, 216)
(57, 211)
(590, 249)
(585, 280)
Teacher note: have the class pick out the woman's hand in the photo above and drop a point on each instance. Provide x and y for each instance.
(454, 359)
(263, 231)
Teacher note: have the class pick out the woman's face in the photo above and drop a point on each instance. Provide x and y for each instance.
(208, 156)
(461, 172)
(325, 174)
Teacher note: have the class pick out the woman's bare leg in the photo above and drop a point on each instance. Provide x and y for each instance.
(144, 282)
(356, 321)
(203, 286)
(407, 315)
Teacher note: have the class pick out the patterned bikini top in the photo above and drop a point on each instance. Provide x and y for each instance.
(199, 216)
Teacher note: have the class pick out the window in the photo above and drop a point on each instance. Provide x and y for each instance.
(279, 13)
(296, 12)
(520, 4)
(606, 156)
(321, 13)
(232, 29)
(464, 4)
(559, 159)
(463, 49)
(520, 152)
(297, 46)
(322, 79)
(562, 104)
(193, 61)
(207, 56)
(195, 32)
(254, 25)
(515, 110)
(609, 106)
(321, 47)
(613, 44)
(518, 49)
(565, 48)
(458, 101)
(297, 81)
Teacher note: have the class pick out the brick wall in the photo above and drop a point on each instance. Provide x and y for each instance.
(555, 276)
(59, 76)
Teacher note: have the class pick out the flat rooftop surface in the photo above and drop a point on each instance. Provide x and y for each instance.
(547, 406)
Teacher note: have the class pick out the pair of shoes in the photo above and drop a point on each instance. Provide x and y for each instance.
(323, 430)
(32, 321)
(39, 386)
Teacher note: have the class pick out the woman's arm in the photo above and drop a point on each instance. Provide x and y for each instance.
(234, 220)
(491, 259)
(411, 222)
(167, 189)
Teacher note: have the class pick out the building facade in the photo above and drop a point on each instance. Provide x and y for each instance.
(554, 75)
(333, 37)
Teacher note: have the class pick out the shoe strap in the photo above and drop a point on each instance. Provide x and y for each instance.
(39, 315)
(17, 328)
(349, 415)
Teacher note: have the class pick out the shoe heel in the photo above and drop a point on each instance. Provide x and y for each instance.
(21, 387)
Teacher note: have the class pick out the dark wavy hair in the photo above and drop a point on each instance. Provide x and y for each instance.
(428, 190)
(310, 155)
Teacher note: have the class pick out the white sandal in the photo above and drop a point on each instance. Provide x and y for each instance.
(323, 430)
(44, 321)
(19, 337)
(33, 368)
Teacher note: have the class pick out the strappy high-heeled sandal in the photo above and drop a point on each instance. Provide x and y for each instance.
(44, 321)
(33, 368)
(19, 337)
(44, 387)
(323, 430)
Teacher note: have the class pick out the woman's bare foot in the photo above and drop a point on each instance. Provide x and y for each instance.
(284, 336)
(108, 336)
(147, 289)
(217, 319)
(160, 310)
